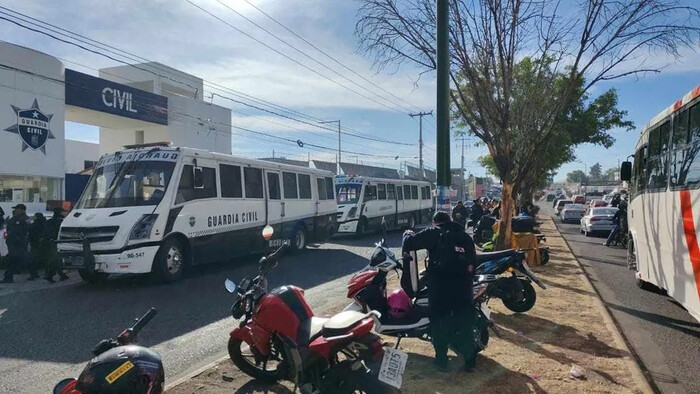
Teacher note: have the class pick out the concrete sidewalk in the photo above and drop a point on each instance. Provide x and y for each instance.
(568, 328)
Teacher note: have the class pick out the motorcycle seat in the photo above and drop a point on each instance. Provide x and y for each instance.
(341, 323)
(482, 257)
(310, 329)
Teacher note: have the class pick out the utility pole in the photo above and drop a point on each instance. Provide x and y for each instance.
(339, 157)
(443, 104)
(420, 116)
(461, 176)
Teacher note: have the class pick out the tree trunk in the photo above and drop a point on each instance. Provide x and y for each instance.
(507, 210)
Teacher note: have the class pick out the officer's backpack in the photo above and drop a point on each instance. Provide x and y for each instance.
(452, 256)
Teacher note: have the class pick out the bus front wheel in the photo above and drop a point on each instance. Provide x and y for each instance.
(170, 260)
(299, 239)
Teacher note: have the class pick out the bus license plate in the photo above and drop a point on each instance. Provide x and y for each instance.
(393, 366)
(73, 261)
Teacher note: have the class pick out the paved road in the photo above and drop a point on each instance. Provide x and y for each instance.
(664, 336)
(47, 334)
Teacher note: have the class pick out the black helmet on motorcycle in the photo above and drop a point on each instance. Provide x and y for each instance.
(123, 369)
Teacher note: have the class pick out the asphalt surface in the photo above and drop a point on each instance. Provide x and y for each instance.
(665, 338)
(46, 333)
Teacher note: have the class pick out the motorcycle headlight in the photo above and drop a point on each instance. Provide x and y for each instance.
(352, 212)
(142, 228)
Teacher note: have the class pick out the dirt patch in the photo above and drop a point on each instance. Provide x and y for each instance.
(535, 352)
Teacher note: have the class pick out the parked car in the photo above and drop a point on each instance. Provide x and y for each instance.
(551, 197)
(560, 205)
(580, 199)
(598, 220)
(598, 203)
(572, 213)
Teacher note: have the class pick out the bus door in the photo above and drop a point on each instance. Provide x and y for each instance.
(275, 209)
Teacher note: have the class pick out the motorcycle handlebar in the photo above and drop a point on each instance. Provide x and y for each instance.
(274, 257)
(140, 323)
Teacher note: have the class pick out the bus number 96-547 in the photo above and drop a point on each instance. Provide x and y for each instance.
(135, 255)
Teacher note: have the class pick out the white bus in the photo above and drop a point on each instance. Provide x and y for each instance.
(159, 209)
(664, 209)
(370, 204)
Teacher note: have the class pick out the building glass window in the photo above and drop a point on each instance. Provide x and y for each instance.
(29, 189)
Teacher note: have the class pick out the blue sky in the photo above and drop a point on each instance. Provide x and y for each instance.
(181, 36)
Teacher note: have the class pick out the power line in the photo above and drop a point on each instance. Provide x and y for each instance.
(357, 135)
(311, 57)
(288, 57)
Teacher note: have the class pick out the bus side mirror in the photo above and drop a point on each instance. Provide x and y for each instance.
(626, 171)
(198, 176)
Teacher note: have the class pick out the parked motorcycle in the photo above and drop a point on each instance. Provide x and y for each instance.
(280, 338)
(400, 316)
(119, 366)
(498, 270)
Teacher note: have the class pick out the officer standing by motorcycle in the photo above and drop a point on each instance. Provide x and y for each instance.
(452, 262)
(17, 241)
(620, 220)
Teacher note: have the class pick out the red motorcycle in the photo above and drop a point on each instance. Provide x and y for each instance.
(281, 339)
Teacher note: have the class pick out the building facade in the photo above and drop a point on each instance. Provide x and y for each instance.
(130, 104)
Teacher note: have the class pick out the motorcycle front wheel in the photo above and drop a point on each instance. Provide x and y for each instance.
(268, 369)
(527, 302)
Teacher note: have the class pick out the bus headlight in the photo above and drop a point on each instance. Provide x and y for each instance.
(142, 228)
(352, 212)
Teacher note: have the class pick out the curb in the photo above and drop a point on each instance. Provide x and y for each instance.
(635, 365)
(191, 375)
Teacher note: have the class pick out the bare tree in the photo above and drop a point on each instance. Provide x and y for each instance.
(587, 41)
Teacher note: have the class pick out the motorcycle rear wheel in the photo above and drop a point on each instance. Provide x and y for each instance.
(528, 301)
(247, 364)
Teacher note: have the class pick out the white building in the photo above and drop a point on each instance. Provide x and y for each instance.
(130, 104)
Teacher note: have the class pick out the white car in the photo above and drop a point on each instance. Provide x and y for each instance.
(572, 213)
(598, 220)
(560, 205)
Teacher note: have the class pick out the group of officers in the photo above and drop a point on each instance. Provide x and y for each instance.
(31, 244)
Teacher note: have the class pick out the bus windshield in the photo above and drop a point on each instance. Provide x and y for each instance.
(127, 184)
(348, 193)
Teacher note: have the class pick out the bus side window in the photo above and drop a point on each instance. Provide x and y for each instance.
(186, 190)
(230, 181)
(253, 182)
(321, 188)
(407, 192)
(370, 193)
(678, 142)
(414, 192)
(381, 191)
(273, 186)
(289, 185)
(399, 192)
(330, 190)
(689, 169)
(391, 192)
(304, 186)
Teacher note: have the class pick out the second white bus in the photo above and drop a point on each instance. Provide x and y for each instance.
(371, 204)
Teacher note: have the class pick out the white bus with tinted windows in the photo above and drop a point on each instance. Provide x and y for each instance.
(663, 214)
(371, 204)
(160, 209)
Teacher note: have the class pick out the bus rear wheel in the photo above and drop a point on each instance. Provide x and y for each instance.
(299, 239)
(170, 260)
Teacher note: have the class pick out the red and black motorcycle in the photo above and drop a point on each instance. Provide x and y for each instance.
(281, 339)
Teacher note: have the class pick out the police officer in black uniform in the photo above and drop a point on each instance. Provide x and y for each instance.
(17, 241)
(450, 282)
(55, 266)
(460, 214)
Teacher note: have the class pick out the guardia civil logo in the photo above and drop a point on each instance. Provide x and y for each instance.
(32, 127)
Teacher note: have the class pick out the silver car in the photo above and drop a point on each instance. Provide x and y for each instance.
(598, 220)
(572, 213)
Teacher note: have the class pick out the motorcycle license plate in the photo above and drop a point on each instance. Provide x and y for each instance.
(486, 310)
(393, 366)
